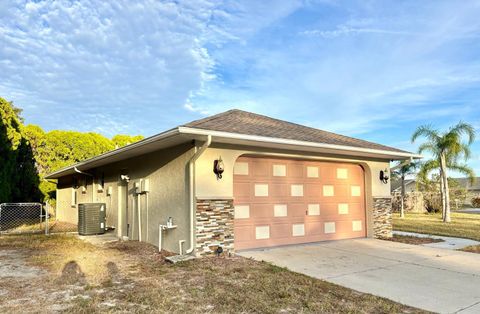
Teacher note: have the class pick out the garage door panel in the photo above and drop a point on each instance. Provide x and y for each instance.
(344, 227)
(242, 190)
(260, 169)
(355, 209)
(258, 211)
(280, 230)
(292, 201)
(244, 233)
(295, 171)
(328, 174)
(297, 210)
(313, 189)
(314, 228)
(279, 190)
(341, 192)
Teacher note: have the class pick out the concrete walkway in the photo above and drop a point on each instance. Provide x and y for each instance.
(448, 243)
(100, 239)
(438, 280)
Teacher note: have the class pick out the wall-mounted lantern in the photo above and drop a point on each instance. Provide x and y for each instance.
(218, 167)
(384, 176)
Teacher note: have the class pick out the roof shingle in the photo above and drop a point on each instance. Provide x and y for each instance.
(243, 122)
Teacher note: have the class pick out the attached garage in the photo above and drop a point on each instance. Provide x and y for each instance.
(235, 181)
(285, 201)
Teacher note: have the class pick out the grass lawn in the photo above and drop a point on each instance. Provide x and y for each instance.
(62, 273)
(462, 225)
(412, 239)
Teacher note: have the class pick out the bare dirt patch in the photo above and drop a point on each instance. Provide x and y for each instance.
(13, 265)
(74, 276)
(412, 239)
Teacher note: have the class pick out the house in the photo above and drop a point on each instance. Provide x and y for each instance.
(473, 189)
(282, 183)
(410, 186)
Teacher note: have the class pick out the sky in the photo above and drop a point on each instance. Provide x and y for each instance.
(369, 69)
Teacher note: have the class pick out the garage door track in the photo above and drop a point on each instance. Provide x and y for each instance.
(428, 278)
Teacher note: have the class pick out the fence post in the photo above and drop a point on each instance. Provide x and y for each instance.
(47, 220)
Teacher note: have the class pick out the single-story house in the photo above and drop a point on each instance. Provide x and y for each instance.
(237, 180)
(410, 186)
(473, 188)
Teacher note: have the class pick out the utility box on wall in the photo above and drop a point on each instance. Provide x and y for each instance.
(145, 185)
(91, 218)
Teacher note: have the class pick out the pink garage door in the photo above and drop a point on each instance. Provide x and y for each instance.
(282, 201)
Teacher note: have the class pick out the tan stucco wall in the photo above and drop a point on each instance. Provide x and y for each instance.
(167, 171)
(208, 187)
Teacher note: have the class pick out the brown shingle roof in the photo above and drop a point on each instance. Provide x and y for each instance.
(243, 122)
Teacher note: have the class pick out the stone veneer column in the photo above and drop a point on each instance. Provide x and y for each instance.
(382, 217)
(214, 226)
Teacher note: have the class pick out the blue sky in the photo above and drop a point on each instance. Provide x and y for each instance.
(369, 69)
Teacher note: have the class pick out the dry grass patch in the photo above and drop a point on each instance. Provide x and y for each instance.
(412, 239)
(133, 277)
(471, 249)
(462, 225)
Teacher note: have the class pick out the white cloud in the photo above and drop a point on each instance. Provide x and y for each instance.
(144, 66)
(116, 60)
(343, 30)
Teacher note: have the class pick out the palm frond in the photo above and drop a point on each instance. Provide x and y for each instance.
(426, 131)
(462, 128)
(429, 147)
(427, 167)
(464, 169)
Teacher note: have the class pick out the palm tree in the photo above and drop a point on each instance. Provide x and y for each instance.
(433, 165)
(447, 148)
(404, 169)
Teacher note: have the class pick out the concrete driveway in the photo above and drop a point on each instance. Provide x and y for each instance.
(433, 279)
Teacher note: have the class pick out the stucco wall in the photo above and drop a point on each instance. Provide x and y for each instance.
(168, 197)
(208, 187)
(167, 171)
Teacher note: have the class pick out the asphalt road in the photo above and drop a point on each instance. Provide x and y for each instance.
(469, 211)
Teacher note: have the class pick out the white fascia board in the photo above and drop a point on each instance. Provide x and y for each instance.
(81, 165)
(256, 138)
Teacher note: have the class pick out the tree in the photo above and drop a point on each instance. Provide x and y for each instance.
(57, 149)
(121, 140)
(18, 176)
(403, 170)
(447, 148)
(27, 154)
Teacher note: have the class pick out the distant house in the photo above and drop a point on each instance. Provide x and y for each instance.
(473, 190)
(410, 186)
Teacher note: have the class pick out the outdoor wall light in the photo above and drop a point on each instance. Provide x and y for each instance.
(218, 167)
(384, 176)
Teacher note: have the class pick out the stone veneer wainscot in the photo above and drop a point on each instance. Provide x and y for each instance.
(214, 226)
(382, 217)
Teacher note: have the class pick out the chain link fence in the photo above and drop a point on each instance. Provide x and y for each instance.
(22, 218)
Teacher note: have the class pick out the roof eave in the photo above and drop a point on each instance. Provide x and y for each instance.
(138, 145)
(281, 142)
(250, 139)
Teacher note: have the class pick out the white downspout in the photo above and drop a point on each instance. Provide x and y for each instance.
(192, 202)
(139, 216)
